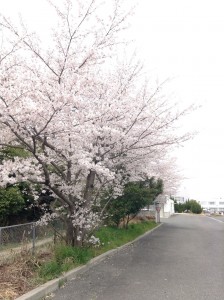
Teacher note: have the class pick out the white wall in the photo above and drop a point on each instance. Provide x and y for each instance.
(167, 208)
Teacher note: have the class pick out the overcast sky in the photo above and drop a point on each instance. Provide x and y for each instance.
(182, 40)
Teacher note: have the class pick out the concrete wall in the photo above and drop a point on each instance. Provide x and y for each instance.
(167, 209)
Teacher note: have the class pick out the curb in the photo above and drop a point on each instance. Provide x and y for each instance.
(51, 286)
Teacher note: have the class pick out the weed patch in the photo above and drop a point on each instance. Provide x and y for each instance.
(27, 271)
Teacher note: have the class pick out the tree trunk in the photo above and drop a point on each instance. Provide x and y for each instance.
(70, 234)
(89, 187)
(73, 232)
(88, 194)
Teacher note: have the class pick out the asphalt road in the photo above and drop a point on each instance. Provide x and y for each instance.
(220, 218)
(183, 259)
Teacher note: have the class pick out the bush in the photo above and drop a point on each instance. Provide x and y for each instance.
(11, 202)
(136, 195)
(179, 207)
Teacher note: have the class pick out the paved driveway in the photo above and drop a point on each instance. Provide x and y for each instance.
(181, 260)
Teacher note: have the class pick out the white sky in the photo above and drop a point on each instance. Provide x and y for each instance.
(184, 39)
(181, 39)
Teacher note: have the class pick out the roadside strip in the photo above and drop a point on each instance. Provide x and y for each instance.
(51, 286)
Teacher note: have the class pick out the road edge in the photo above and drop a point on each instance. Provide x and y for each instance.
(51, 286)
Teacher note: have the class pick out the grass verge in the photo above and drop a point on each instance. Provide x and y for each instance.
(26, 272)
(66, 257)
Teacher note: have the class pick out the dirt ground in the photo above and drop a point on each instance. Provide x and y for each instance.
(18, 275)
(13, 282)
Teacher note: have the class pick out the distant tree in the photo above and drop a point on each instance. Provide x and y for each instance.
(136, 195)
(190, 206)
(194, 206)
(179, 207)
(155, 187)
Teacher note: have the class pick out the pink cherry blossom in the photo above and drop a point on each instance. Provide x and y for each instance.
(85, 120)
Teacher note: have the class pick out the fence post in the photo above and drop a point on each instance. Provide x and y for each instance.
(33, 236)
(0, 236)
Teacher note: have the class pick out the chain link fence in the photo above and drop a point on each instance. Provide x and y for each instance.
(28, 233)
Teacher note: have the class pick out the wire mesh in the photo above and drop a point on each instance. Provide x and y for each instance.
(16, 235)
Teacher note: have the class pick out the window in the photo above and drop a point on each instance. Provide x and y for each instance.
(221, 203)
(211, 203)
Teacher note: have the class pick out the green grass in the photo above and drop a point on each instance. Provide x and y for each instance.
(67, 257)
(113, 237)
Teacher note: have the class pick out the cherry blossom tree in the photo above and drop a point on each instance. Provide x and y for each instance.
(86, 122)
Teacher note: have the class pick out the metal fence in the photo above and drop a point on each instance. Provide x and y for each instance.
(28, 233)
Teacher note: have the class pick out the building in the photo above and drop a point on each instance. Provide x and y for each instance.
(166, 206)
(213, 205)
(167, 209)
(179, 199)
